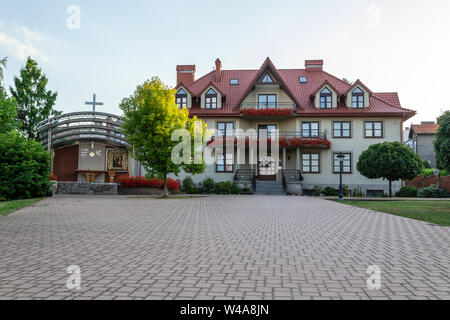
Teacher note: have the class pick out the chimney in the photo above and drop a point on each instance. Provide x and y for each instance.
(185, 74)
(218, 69)
(314, 65)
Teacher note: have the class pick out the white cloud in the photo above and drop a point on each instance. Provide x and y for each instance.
(22, 42)
(20, 49)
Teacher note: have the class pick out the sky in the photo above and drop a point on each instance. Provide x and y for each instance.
(110, 47)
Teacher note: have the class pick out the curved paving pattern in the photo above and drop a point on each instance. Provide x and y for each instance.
(250, 247)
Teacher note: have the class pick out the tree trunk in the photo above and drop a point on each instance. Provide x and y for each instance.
(166, 191)
(390, 188)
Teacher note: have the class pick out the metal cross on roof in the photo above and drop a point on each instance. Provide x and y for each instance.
(94, 103)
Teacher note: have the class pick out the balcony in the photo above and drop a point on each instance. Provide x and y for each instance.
(278, 110)
(287, 139)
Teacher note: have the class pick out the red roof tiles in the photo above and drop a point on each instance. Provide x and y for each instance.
(431, 128)
(381, 104)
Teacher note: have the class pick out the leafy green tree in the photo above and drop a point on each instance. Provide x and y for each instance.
(35, 103)
(150, 117)
(442, 142)
(8, 112)
(24, 167)
(391, 161)
(3, 62)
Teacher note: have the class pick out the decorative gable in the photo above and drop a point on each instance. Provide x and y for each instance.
(326, 97)
(211, 98)
(358, 96)
(183, 97)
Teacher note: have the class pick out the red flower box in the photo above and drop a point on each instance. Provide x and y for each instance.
(284, 142)
(267, 112)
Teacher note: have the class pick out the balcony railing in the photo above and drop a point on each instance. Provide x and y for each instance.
(268, 105)
(287, 139)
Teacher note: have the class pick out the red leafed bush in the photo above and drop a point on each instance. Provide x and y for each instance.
(136, 182)
(53, 178)
(267, 112)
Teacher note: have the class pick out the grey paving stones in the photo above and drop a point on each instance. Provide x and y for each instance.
(219, 247)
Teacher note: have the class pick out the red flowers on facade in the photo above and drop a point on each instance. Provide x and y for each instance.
(284, 142)
(266, 112)
(134, 182)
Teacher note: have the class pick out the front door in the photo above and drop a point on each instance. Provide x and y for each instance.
(267, 169)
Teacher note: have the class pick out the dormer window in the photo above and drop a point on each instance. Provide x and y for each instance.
(357, 99)
(267, 79)
(325, 98)
(181, 99)
(211, 99)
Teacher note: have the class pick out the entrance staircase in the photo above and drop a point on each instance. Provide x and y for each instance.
(269, 188)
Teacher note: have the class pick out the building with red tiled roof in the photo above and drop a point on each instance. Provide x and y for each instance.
(421, 139)
(318, 114)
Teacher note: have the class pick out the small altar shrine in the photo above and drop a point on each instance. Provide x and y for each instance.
(87, 147)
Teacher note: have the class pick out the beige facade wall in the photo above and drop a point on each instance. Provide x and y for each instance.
(283, 99)
(354, 145)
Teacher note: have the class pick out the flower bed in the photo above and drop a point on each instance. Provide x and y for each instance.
(266, 112)
(142, 182)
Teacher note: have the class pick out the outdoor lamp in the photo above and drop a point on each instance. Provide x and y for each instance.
(341, 157)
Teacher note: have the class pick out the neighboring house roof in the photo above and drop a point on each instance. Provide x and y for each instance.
(381, 104)
(428, 128)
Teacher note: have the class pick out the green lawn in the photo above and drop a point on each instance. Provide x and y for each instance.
(7, 207)
(437, 212)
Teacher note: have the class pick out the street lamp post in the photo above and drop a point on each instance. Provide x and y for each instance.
(341, 157)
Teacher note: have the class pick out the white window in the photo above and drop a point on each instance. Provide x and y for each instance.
(342, 129)
(347, 163)
(311, 162)
(310, 129)
(224, 163)
(267, 79)
(181, 99)
(357, 99)
(374, 129)
(211, 99)
(325, 98)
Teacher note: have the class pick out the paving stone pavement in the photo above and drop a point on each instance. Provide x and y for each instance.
(218, 247)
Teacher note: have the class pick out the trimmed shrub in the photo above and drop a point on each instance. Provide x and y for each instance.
(330, 192)
(24, 168)
(224, 187)
(426, 165)
(317, 191)
(408, 192)
(208, 186)
(432, 192)
(188, 185)
(235, 189)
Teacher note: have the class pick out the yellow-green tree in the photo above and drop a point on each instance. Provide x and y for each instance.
(150, 118)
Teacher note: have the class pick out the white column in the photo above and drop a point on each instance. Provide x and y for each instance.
(298, 162)
(284, 159)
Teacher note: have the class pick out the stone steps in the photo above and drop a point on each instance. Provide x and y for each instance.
(269, 188)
